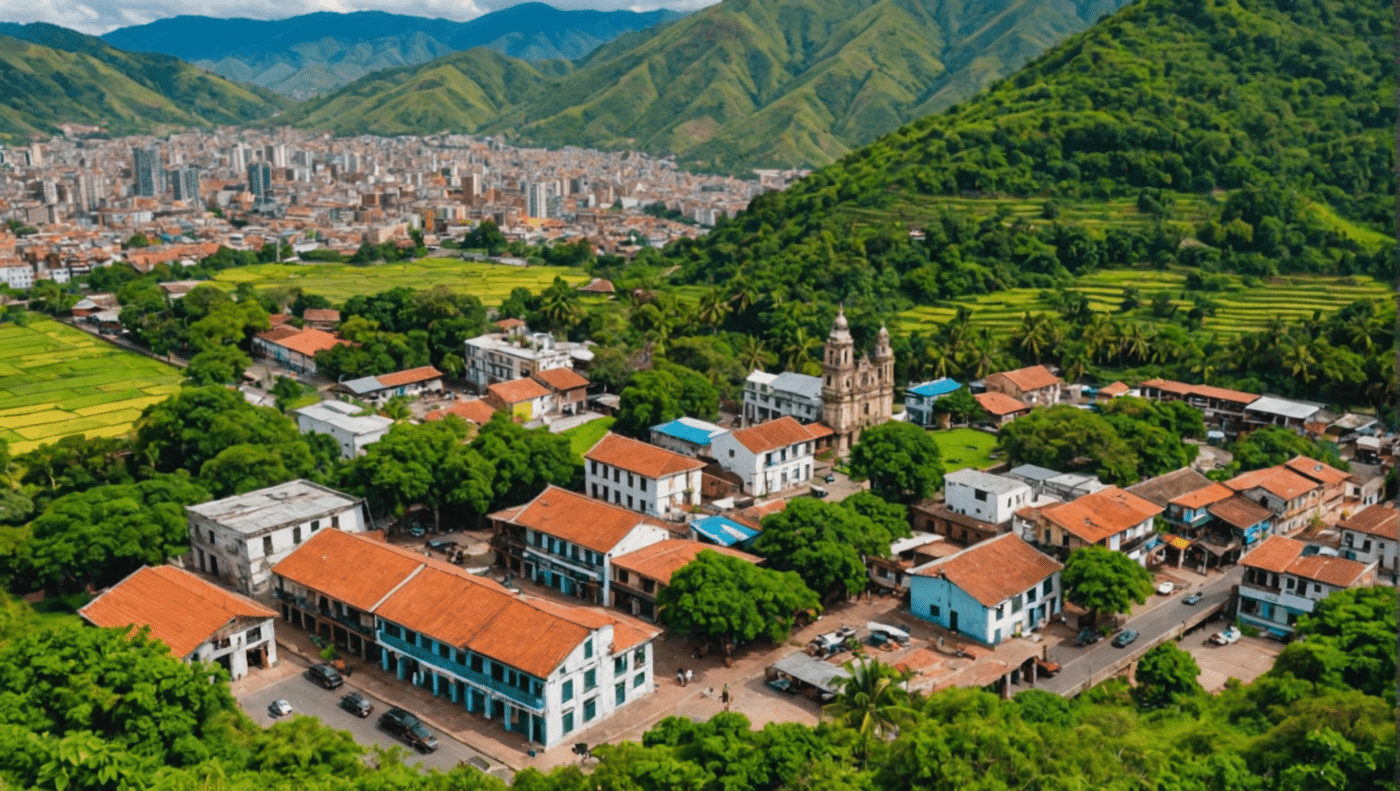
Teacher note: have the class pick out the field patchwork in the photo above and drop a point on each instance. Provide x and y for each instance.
(56, 381)
(491, 283)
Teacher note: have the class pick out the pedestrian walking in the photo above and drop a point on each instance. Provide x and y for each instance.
(689, 676)
(724, 697)
(680, 676)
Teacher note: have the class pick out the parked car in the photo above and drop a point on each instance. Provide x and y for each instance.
(442, 546)
(830, 478)
(1166, 588)
(1088, 637)
(417, 531)
(279, 708)
(1125, 638)
(1192, 598)
(356, 704)
(1227, 637)
(407, 727)
(325, 675)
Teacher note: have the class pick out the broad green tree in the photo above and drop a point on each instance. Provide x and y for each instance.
(1103, 581)
(901, 461)
(825, 542)
(721, 598)
(1067, 438)
(1165, 675)
(218, 365)
(523, 461)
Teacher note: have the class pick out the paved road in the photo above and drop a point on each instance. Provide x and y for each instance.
(309, 698)
(1078, 664)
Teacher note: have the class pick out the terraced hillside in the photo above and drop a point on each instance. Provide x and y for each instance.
(56, 380)
(492, 283)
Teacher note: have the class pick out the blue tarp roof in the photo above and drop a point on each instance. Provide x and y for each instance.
(725, 532)
(942, 386)
(679, 430)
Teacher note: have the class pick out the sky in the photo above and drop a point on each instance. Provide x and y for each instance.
(96, 16)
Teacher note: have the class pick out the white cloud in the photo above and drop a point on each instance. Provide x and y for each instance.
(101, 17)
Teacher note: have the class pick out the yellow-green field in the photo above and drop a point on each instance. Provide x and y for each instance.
(1241, 310)
(55, 381)
(492, 283)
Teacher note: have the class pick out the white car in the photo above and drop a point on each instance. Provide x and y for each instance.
(1227, 637)
(1166, 588)
(279, 708)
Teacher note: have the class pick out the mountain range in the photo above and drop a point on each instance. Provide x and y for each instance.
(50, 75)
(741, 84)
(314, 54)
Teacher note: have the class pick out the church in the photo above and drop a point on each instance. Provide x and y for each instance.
(852, 394)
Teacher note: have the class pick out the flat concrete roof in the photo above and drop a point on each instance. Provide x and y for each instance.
(284, 504)
(983, 480)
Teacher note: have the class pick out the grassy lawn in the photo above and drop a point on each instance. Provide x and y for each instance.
(583, 437)
(492, 283)
(1241, 310)
(965, 447)
(61, 610)
(56, 380)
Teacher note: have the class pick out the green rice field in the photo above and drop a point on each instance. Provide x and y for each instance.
(492, 283)
(1242, 309)
(965, 447)
(56, 380)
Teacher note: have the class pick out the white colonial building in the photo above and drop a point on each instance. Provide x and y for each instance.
(642, 477)
(769, 457)
(984, 496)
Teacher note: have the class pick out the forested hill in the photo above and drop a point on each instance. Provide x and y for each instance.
(1243, 135)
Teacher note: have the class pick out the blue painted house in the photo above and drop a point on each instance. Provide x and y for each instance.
(918, 400)
(990, 591)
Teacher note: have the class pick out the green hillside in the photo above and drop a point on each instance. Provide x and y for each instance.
(747, 83)
(74, 78)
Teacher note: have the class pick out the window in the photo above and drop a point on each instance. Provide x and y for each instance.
(595, 468)
(1288, 583)
(267, 545)
(590, 679)
(622, 575)
(461, 658)
(477, 663)
(315, 525)
(620, 692)
(588, 649)
(254, 635)
(630, 480)
(978, 494)
(410, 637)
(444, 650)
(211, 532)
(335, 522)
(644, 484)
(1046, 588)
(1016, 603)
(617, 475)
(1001, 610)
(296, 534)
(392, 630)
(566, 693)
(629, 501)
(568, 721)
(590, 709)
(1317, 588)
(639, 657)
(933, 610)
(620, 665)
(638, 680)
(731, 455)
(1030, 595)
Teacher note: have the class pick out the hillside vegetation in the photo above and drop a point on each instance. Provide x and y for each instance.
(745, 83)
(51, 75)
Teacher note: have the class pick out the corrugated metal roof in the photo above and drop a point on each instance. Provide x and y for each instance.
(722, 531)
(936, 387)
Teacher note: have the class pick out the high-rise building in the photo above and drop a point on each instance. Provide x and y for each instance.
(238, 159)
(260, 180)
(536, 200)
(147, 176)
(471, 186)
(185, 182)
(276, 155)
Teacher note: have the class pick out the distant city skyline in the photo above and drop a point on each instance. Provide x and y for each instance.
(95, 17)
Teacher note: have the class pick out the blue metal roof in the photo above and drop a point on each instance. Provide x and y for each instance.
(725, 532)
(679, 430)
(942, 386)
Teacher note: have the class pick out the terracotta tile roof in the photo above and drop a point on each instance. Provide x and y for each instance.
(1240, 512)
(1275, 554)
(1375, 520)
(1318, 471)
(350, 568)
(660, 560)
(306, 341)
(627, 631)
(636, 456)
(561, 379)
(426, 373)
(321, 314)
(1279, 481)
(476, 410)
(1000, 404)
(510, 324)
(517, 391)
(278, 319)
(819, 430)
(1104, 513)
(995, 570)
(1030, 378)
(1115, 389)
(598, 285)
(1340, 572)
(1203, 391)
(1164, 489)
(753, 515)
(182, 610)
(1204, 496)
(579, 519)
(774, 434)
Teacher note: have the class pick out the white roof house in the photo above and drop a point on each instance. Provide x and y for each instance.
(339, 420)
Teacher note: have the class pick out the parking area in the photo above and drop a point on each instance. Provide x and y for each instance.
(1245, 660)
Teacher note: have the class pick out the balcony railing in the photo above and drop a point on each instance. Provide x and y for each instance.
(437, 660)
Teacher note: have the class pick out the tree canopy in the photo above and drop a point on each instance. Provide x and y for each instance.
(662, 395)
(1102, 580)
(721, 598)
(902, 462)
(826, 542)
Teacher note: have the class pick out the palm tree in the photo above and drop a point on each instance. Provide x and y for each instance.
(1033, 336)
(714, 306)
(1136, 344)
(1299, 361)
(752, 354)
(940, 360)
(797, 354)
(742, 294)
(1099, 335)
(871, 702)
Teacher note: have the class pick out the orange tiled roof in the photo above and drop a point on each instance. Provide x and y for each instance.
(1203, 391)
(425, 373)
(1030, 378)
(578, 518)
(182, 610)
(475, 410)
(660, 560)
(993, 571)
(1318, 471)
(1285, 556)
(1204, 496)
(636, 456)
(350, 568)
(1376, 520)
(1000, 404)
(321, 314)
(305, 341)
(1115, 389)
(774, 434)
(561, 379)
(510, 324)
(1279, 481)
(1239, 512)
(517, 391)
(1104, 513)
(1275, 554)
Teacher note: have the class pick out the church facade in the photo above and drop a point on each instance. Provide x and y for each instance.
(857, 393)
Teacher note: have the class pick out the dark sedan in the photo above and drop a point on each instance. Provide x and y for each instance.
(1125, 638)
(356, 704)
